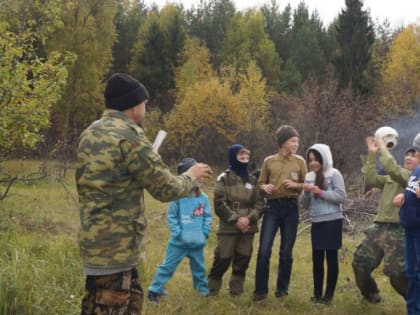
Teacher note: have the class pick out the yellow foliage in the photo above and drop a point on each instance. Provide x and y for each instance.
(196, 66)
(254, 98)
(402, 70)
(206, 103)
(217, 107)
(169, 13)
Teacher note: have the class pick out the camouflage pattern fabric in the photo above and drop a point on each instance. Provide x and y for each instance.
(115, 163)
(117, 294)
(233, 198)
(383, 241)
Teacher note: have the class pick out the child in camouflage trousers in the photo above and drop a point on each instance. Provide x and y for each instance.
(385, 238)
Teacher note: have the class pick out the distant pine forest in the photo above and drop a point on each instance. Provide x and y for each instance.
(216, 75)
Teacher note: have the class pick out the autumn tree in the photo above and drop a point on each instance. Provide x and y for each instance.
(87, 31)
(246, 41)
(215, 111)
(196, 66)
(401, 74)
(30, 81)
(254, 97)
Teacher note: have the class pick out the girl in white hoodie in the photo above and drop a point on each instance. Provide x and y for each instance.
(323, 193)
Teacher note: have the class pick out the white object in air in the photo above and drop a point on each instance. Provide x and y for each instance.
(389, 135)
(159, 139)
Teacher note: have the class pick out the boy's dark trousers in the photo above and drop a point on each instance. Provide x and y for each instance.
(280, 214)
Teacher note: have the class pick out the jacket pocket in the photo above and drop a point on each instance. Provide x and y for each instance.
(193, 238)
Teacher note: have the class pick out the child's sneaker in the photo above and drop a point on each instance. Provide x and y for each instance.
(153, 297)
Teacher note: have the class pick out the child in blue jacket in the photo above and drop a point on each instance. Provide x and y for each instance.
(189, 221)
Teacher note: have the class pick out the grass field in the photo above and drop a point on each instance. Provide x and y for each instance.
(41, 272)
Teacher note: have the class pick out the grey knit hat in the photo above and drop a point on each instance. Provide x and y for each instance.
(416, 142)
(185, 165)
(284, 133)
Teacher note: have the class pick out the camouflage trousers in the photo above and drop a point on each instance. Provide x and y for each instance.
(383, 241)
(116, 294)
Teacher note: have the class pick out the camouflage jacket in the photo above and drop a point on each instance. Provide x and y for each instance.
(115, 163)
(234, 198)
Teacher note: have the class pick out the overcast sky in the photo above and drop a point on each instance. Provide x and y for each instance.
(400, 12)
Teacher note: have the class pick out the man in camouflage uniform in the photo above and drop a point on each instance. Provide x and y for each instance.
(116, 163)
(385, 238)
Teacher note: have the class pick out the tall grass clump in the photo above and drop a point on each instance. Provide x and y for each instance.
(39, 275)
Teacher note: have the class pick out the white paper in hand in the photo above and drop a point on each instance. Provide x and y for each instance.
(159, 139)
(310, 177)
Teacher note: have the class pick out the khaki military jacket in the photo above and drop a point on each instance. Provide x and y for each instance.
(234, 198)
(278, 167)
(116, 163)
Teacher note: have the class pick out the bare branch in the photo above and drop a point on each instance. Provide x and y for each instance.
(69, 193)
(11, 181)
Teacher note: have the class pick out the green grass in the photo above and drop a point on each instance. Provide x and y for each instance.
(41, 271)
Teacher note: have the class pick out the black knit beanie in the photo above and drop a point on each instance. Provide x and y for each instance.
(122, 92)
(284, 133)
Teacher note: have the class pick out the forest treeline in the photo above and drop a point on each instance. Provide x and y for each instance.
(217, 75)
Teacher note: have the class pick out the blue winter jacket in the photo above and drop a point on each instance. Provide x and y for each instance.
(189, 221)
(328, 206)
(410, 210)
